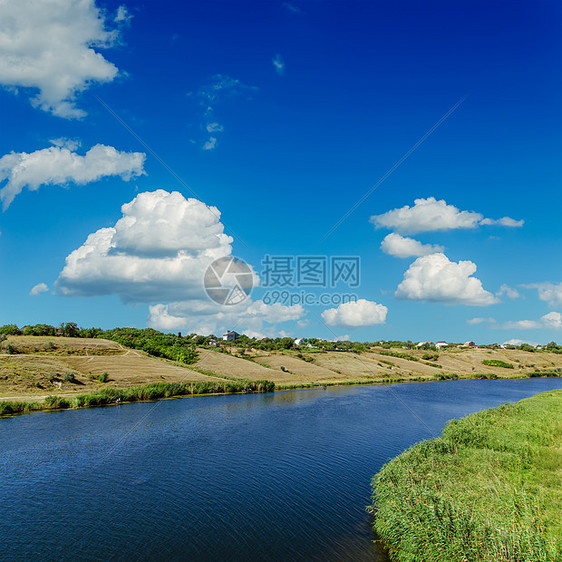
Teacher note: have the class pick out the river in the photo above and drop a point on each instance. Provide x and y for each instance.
(280, 476)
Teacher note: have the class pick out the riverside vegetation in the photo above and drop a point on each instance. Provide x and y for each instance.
(46, 367)
(489, 489)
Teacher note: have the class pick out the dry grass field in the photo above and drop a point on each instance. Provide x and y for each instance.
(32, 367)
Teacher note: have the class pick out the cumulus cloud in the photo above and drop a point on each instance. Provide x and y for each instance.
(550, 321)
(404, 247)
(548, 292)
(51, 47)
(519, 342)
(354, 314)
(437, 279)
(278, 64)
(205, 317)
(210, 144)
(428, 215)
(38, 289)
(58, 165)
(158, 250)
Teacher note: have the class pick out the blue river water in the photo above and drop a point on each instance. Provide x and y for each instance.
(280, 476)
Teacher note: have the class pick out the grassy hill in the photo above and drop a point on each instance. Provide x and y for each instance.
(39, 366)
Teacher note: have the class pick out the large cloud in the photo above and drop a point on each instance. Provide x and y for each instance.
(354, 314)
(436, 278)
(58, 165)
(204, 317)
(404, 247)
(157, 251)
(49, 46)
(428, 215)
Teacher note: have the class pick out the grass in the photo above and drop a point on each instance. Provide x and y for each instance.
(135, 394)
(489, 489)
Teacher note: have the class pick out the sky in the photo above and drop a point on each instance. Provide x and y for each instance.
(383, 170)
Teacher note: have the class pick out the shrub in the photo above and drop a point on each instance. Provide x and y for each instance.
(497, 363)
(104, 377)
(69, 376)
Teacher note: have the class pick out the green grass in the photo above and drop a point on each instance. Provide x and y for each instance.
(135, 394)
(489, 489)
(497, 363)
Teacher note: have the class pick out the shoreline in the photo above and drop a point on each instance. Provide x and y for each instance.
(164, 391)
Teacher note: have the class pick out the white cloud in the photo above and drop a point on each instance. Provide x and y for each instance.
(214, 127)
(210, 144)
(38, 289)
(291, 8)
(122, 16)
(353, 314)
(509, 292)
(475, 321)
(404, 247)
(428, 215)
(50, 47)
(219, 89)
(505, 221)
(159, 250)
(59, 165)
(519, 342)
(205, 317)
(435, 278)
(548, 292)
(550, 321)
(278, 64)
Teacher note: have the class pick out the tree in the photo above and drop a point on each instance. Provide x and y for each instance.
(10, 330)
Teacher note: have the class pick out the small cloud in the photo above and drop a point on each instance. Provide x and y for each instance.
(475, 321)
(404, 247)
(519, 342)
(210, 144)
(548, 292)
(38, 289)
(509, 292)
(63, 142)
(278, 64)
(504, 221)
(550, 321)
(123, 16)
(214, 127)
(291, 8)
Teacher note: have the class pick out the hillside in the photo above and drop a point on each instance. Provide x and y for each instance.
(39, 366)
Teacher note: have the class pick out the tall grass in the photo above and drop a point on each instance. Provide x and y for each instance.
(136, 394)
(487, 490)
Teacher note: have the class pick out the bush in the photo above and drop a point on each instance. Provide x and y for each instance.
(497, 363)
(69, 377)
(10, 330)
(104, 377)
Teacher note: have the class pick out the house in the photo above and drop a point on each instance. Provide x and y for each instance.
(424, 343)
(468, 344)
(299, 341)
(230, 336)
(441, 344)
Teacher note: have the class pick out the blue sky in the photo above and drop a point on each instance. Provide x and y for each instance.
(278, 117)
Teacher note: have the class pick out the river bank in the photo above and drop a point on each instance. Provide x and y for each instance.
(488, 489)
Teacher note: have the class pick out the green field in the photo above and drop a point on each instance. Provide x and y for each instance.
(488, 489)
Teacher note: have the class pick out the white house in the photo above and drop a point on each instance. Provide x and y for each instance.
(422, 343)
(230, 336)
(441, 344)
